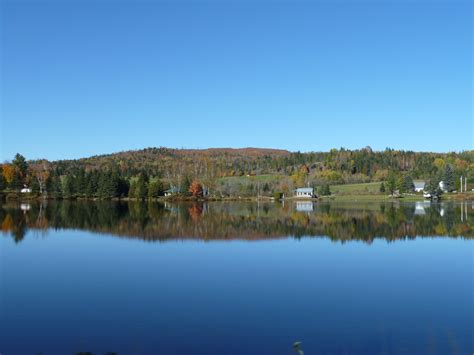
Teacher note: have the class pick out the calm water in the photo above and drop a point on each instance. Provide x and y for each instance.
(236, 278)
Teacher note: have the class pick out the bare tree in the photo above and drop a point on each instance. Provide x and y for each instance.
(41, 171)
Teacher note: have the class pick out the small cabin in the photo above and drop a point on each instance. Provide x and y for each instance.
(172, 191)
(304, 192)
(25, 190)
(419, 186)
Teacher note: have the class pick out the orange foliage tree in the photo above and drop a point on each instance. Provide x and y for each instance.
(8, 173)
(195, 189)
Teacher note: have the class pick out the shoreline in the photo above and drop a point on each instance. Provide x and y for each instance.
(343, 197)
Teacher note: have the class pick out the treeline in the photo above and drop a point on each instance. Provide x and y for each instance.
(46, 179)
(150, 172)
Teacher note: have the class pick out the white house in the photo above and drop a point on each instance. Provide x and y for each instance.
(419, 186)
(25, 190)
(305, 192)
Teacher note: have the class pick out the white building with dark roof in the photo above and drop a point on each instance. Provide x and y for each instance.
(304, 192)
(419, 186)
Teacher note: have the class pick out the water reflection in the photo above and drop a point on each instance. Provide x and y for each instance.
(236, 220)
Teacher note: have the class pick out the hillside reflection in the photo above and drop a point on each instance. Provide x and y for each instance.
(248, 221)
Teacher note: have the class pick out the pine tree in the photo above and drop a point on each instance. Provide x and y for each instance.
(80, 182)
(21, 166)
(408, 185)
(433, 186)
(17, 182)
(34, 185)
(108, 185)
(68, 186)
(382, 187)
(449, 178)
(53, 185)
(91, 184)
(185, 184)
(391, 182)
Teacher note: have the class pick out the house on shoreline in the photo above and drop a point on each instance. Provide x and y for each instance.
(419, 186)
(172, 191)
(304, 192)
(25, 189)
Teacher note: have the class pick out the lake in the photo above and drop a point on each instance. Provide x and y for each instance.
(236, 278)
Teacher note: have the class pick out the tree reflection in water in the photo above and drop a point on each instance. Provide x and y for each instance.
(239, 220)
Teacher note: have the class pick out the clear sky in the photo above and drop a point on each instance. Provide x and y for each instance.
(89, 77)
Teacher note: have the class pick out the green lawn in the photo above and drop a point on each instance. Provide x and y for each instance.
(356, 189)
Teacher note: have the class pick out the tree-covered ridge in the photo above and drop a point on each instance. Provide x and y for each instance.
(248, 221)
(149, 172)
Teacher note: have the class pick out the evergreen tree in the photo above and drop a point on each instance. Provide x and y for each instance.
(391, 182)
(80, 182)
(185, 184)
(17, 182)
(103, 187)
(382, 187)
(408, 185)
(21, 166)
(68, 186)
(122, 188)
(449, 178)
(108, 186)
(34, 185)
(53, 185)
(91, 184)
(433, 186)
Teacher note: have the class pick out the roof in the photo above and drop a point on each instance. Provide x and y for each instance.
(173, 190)
(308, 190)
(419, 184)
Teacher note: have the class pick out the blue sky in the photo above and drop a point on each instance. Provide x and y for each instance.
(89, 77)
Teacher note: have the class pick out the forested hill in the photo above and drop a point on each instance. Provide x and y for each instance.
(165, 161)
(338, 165)
(154, 156)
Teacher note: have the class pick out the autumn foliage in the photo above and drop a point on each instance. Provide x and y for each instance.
(195, 189)
(8, 173)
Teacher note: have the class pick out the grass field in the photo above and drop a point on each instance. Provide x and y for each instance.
(370, 198)
(370, 188)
